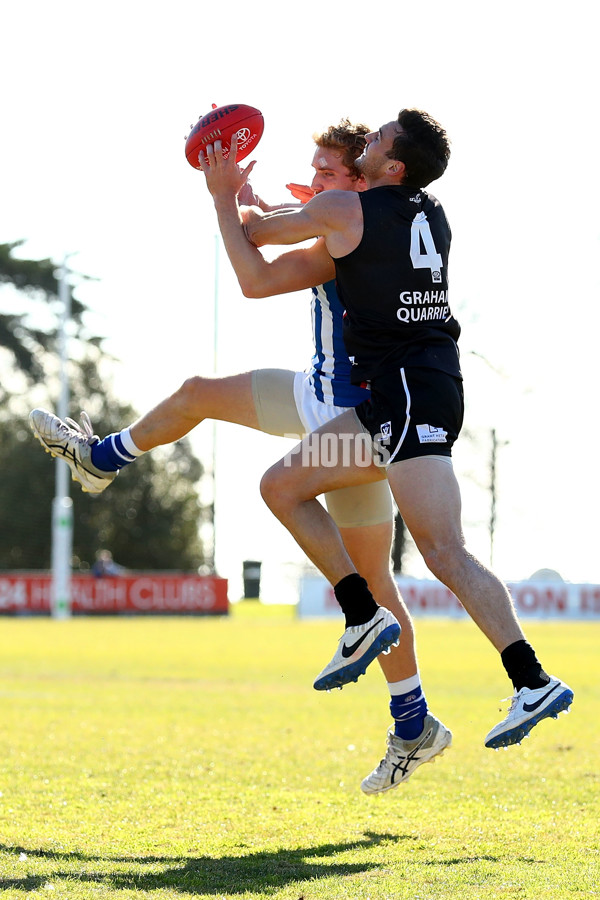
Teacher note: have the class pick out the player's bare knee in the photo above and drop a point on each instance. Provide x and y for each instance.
(192, 388)
(443, 561)
(193, 394)
(279, 490)
(270, 488)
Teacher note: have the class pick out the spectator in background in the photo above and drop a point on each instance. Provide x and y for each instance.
(105, 566)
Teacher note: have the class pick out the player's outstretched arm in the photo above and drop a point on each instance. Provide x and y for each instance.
(248, 197)
(334, 215)
(295, 270)
(292, 271)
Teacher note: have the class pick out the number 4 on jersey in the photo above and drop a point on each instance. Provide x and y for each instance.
(421, 237)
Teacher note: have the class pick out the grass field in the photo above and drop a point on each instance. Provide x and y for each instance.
(185, 757)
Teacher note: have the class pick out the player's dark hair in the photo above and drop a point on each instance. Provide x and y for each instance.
(347, 139)
(423, 147)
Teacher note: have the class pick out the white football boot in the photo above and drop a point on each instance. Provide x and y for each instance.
(528, 707)
(73, 443)
(359, 646)
(403, 757)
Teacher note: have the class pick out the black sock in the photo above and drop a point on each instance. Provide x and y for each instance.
(523, 667)
(356, 599)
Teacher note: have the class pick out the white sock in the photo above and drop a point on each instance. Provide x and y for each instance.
(405, 686)
(129, 443)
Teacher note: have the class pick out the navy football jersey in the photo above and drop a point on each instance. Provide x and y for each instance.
(330, 367)
(394, 286)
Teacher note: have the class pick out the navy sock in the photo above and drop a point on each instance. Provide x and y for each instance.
(523, 667)
(109, 454)
(356, 600)
(409, 711)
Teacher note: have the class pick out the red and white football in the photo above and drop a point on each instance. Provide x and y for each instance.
(220, 124)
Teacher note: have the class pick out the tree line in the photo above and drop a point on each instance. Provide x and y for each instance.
(151, 515)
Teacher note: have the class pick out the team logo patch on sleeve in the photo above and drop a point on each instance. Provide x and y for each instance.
(429, 434)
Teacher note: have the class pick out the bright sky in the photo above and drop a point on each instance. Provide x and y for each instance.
(96, 104)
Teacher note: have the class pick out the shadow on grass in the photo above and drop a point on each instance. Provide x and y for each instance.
(264, 871)
(461, 860)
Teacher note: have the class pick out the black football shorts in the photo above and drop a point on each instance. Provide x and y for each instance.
(413, 412)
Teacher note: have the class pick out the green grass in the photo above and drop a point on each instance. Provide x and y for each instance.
(187, 757)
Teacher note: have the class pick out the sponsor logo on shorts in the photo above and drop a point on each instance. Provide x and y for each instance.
(429, 434)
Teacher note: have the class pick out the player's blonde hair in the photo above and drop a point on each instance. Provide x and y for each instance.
(346, 138)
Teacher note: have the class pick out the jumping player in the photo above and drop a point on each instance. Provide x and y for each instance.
(388, 249)
(286, 403)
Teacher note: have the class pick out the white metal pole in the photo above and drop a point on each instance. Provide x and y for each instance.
(62, 506)
(214, 424)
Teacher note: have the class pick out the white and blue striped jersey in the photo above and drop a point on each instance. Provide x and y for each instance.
(329, 374)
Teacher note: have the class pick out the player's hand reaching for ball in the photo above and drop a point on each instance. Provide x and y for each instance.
(247, 197)
(223, 175)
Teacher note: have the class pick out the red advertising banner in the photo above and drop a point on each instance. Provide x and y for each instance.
(141, 593)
